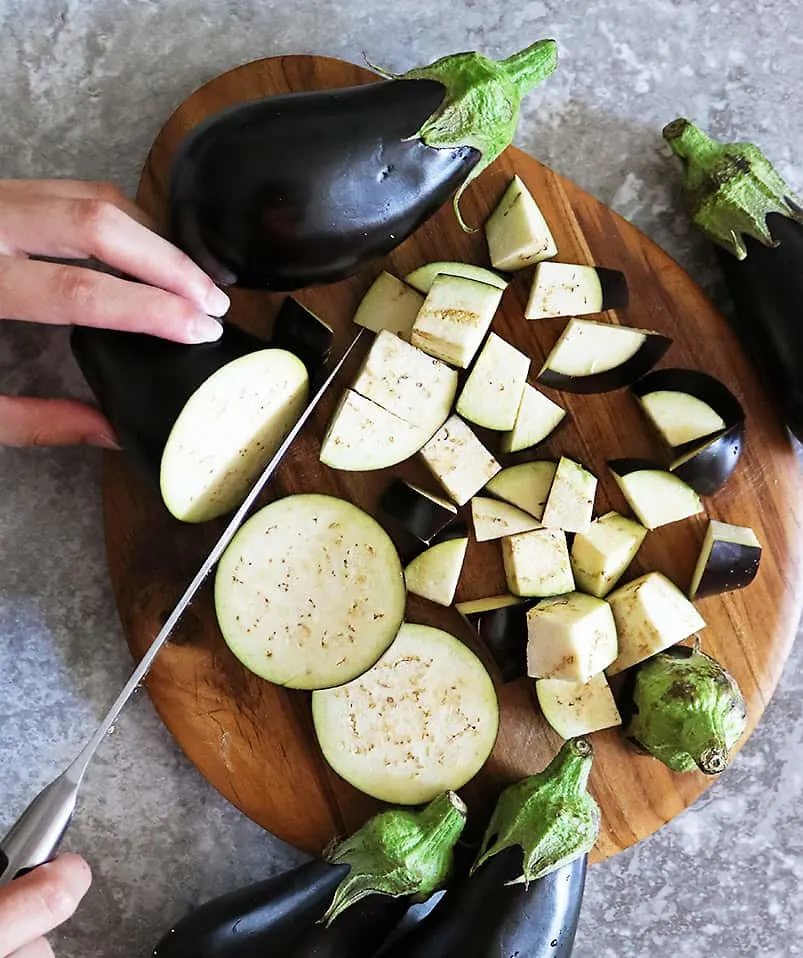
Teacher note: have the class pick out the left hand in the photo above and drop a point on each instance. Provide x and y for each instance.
(70, 219)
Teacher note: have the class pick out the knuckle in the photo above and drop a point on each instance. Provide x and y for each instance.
(75, 288)
(108, 193)
(95, 219)
(57, 900)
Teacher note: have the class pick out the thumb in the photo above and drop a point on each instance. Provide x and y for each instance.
(52, 422)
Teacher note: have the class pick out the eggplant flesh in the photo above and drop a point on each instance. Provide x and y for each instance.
(300, 190)
(482, 916)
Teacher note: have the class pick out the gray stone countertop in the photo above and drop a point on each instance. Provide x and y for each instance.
(84, 88)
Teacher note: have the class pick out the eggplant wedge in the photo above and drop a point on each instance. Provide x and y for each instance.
(303, 189)
(421, 513)
(687, 407)
(743, 206)
(728, 560)
(569, 289)
(501, 624)
(434, 573)
(424, 276)
(201, 420)
(525, 485)
(516, 232)
(340, 905)
(389, 304)
(595, 357)
(656, 496)
(707, 467)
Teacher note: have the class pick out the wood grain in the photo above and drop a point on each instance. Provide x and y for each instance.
(254, 741)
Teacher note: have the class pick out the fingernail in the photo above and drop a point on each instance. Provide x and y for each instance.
(106, 441)
(205, 330)
(217, 302)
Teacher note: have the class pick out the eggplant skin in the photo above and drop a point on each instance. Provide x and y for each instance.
(709, 470)
(767, 290)
(304, 189)
(481, 916)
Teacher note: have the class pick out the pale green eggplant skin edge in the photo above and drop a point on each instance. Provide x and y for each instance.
(398, 852)
(730, 188)
(549, 815)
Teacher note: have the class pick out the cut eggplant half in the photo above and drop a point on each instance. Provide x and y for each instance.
(501, 624)
(656, 496)
(526, 485)
(651, 613)
(578, 708)
(568, 289)
(363, 436)
(228, 430)
(595, 357)
(687, 406)
(407, 382)
(424, 719)
(454, 319)
(728, 560)
(458, 460)
(707, 467)
(570, 637)
(536, 418)
(493, 519)
(310, 592)
(423, 277)
(516, 231)
(537, 563)
(435, 572)
(492, 393)
(299, 331)
(601, 556)
(389, 304)
(421, 513)
(570, 503)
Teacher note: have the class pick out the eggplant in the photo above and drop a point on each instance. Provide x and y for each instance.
(524, 892)
(458, 460)
(389, 303)
(421, 513)
(656, 496)
(568, 289)
(728, 560)
(578, 708)
(594, 357)
(342, 905)
(743, 206)
(571, 637)
(501, 624)
(493, 519)
(570, 503)
(304, 189)
(516, 232)
(537, 563)
(434, 573)
(525, 485)
(299, 331)
(709, 466)
(492, 393)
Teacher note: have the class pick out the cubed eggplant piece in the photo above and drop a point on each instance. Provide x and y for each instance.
(421, 513)
(728, 560)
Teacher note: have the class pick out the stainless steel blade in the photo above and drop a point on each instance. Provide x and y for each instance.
(35, 836)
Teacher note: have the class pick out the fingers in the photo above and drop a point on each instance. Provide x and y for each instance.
(52, 422)
(77, 190)
(65, 295)
(80, 228)
(37, 949)
(40, 901)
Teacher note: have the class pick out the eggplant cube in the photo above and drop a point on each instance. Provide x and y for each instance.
(536, 417)
(525, 485)
(651, 614)
(569, 289)
(389, 304)
(517, 232)
(578, 708)
(537, 563)
(570, 637)
(407, 382)
(458, 460)
(656, 496)
(492, 393)
(454, 319)
(570, 503)
(728, 560)
(493, 519)
(601, 555)
(422, 513)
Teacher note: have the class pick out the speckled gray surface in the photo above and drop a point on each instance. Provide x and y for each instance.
(84, 87)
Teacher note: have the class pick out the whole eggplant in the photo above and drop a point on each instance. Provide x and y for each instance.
(342, 905)
(739, 201)
(305, 188)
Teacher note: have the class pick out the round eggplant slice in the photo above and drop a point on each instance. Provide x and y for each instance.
(708, 467)
(728, 560)
(423, 719)
(310, 592)
(687, 406)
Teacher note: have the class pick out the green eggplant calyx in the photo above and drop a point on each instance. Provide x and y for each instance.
(731, 188)
(550, 815)
(688, 711)
(480, 108)
(398, 852)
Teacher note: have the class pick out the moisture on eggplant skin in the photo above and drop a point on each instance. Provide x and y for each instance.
(687, 711)
(303, 189)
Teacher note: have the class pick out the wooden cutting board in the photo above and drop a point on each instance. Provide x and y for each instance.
(253, 741)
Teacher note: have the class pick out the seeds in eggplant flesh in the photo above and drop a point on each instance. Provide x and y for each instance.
(688, 711)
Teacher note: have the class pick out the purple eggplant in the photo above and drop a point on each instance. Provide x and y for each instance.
(303, 189)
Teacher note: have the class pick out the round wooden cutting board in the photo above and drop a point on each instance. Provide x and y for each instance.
(254, 741)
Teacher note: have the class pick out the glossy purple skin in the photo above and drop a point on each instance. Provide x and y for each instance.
(730, 566)
(709, 470)
(652, 349)
(418, 514)
(300, 332)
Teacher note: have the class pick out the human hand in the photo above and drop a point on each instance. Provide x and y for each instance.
(68, 219)
(35, 904)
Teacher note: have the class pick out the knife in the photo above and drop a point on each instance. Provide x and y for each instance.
(37, 833)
